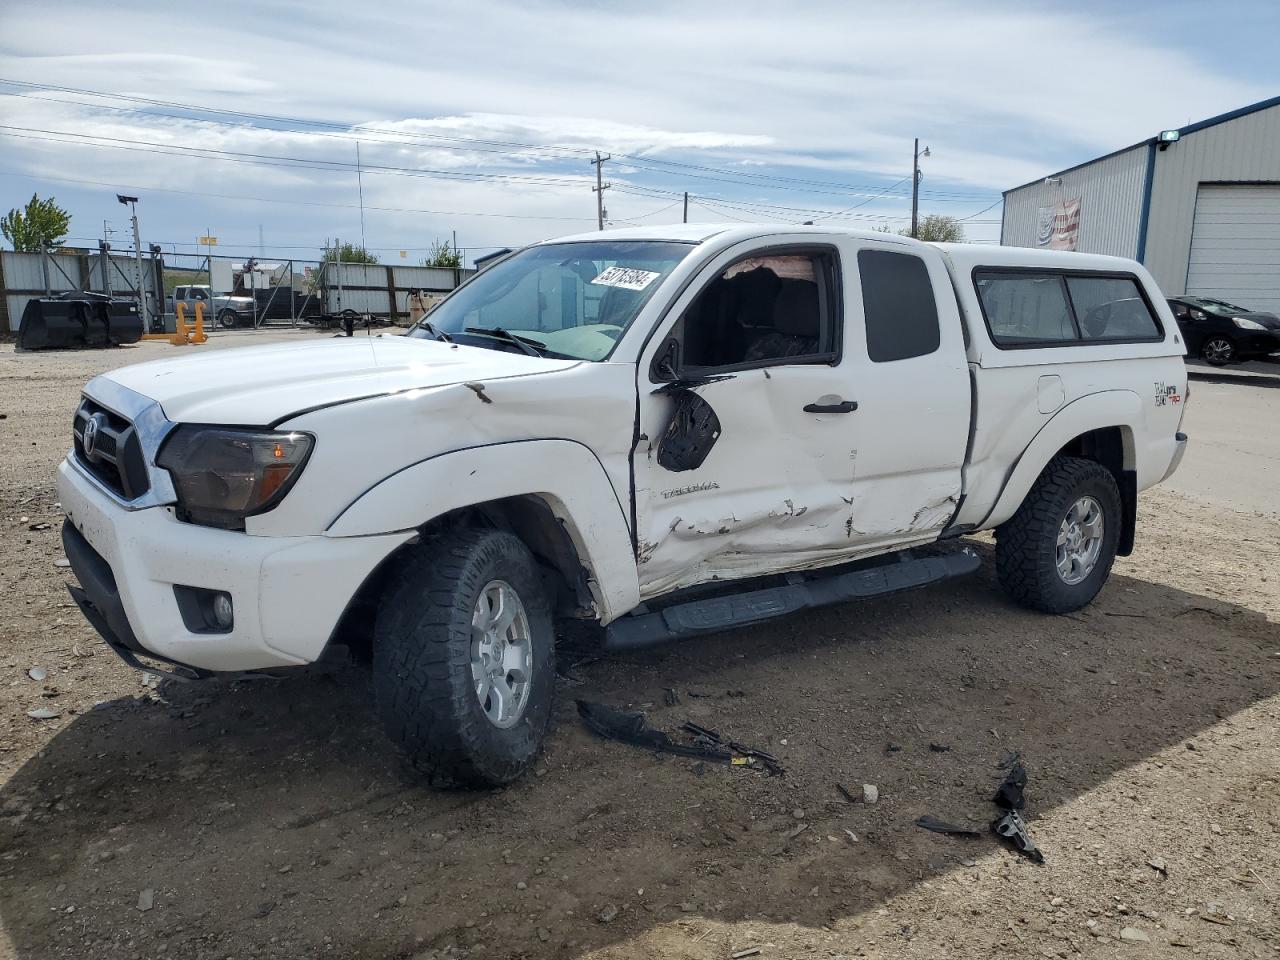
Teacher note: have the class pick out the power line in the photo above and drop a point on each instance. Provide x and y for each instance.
(305, 203)
(351, 131)
(343, 166)
(267, 159)
(296, 163)
(984, 210)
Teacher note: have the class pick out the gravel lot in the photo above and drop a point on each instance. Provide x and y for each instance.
(270, 819)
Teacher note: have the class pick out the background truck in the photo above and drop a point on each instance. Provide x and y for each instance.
(664, 431)
(224, 310)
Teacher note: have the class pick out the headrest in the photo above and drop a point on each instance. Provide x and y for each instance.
(795, 311)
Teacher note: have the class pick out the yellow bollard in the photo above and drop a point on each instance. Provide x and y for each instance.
(179, 337)
(198, 335)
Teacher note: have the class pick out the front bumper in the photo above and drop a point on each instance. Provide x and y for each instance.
(288, 593)
(1258, 343)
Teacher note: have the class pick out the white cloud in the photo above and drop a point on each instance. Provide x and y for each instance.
(1002, 93)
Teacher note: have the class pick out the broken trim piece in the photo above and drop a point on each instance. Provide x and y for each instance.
(614, 724)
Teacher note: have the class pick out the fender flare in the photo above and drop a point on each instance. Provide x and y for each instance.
(1096, 411)
(566, 475)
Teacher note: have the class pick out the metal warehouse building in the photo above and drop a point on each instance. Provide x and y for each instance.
(1199, 206)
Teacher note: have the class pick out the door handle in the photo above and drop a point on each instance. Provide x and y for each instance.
(844, 406)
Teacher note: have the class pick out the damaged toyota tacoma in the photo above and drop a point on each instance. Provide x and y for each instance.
(667, 431)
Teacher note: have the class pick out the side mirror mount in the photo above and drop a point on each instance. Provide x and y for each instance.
(666, 362)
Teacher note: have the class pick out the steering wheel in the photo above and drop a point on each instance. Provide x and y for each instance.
(612, 331)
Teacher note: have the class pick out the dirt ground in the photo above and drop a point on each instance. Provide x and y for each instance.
(271, 819)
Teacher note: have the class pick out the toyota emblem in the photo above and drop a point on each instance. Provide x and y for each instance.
(90, 438)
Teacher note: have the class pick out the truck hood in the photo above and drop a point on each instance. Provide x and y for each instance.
(259, 386)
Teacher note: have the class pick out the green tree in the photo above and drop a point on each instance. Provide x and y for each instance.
(443, 255)
(937, 229)
(43, 224)
(347, 253)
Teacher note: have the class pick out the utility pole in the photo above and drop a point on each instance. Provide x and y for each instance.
(916, 154)
(686, 206)
(600, 188)
(360, 186)
(132, 204)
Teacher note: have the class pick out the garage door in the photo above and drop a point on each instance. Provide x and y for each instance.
(1235, 246)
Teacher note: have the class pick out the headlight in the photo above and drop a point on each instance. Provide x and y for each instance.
(1244, 323)
(223, 475)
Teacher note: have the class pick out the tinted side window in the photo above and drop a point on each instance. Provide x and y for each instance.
(897, 298)
(772, 308)
(1111, 308)
(1025, 308)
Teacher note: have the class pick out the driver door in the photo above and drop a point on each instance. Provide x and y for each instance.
(746, 435)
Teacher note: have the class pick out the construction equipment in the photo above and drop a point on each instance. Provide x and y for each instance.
(78, 319)
(184, 334)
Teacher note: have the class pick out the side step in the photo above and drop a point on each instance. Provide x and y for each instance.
(696, 617)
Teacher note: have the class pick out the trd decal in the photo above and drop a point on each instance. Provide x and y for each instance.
(1166, 394)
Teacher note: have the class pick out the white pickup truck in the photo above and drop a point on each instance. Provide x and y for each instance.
(669, 431)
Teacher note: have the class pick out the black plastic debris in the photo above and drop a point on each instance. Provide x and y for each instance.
(614, 724)
(942, 826)
(1010, 796)
(1014, 829)
(705, 735)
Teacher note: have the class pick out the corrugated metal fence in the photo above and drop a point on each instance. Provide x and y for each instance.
(27, 275)
(378, 289)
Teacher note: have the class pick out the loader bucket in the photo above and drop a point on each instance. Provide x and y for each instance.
(49, 323)
(78, 320)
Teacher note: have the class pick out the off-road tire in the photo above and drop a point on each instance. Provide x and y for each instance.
(1026, 544)
(422, 678)
(226, 319)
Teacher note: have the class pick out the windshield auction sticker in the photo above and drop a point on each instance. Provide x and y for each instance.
(626, 277)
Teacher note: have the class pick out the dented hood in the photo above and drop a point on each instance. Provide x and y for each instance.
(256, 386)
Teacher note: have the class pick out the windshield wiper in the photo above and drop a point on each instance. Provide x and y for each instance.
(533, 348)
(438, 334)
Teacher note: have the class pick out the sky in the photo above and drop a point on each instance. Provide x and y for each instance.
(242, 120)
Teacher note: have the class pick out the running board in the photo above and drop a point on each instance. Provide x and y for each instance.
(696, 617)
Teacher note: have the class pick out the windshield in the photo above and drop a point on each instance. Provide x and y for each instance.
(1218, 307)
(562, 299)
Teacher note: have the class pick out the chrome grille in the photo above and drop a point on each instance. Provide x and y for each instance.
(107, 445)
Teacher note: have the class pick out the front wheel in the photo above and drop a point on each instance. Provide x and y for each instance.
(226, 319)
(1218, 351)
(1056, 552)
(464, 658)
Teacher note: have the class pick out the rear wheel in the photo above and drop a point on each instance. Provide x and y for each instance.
(464, 659)
(1056, 552)
(1218, 350)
